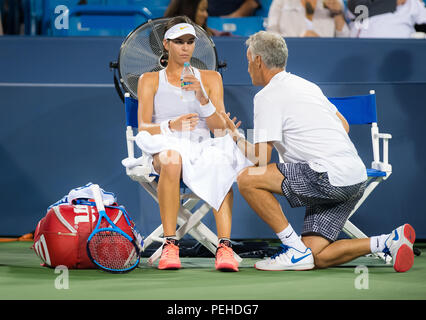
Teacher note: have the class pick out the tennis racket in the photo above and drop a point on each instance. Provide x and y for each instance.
(110, 248)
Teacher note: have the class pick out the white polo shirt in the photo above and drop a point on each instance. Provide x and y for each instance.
(303, 125)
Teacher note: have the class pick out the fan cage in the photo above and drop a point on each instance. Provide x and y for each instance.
(142, 51)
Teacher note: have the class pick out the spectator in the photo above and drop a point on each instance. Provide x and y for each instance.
(386, 18)
(12, 15)
(308, 18)
(196, 10)
(232, 8)
(375, 7)
(1, 26)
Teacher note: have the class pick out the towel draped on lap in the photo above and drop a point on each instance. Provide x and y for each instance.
(209, 167)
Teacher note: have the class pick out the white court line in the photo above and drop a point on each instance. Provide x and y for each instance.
(59, 85)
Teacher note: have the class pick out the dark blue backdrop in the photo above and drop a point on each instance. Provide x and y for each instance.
(62, 124)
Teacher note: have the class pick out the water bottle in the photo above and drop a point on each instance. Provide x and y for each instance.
(187, 96)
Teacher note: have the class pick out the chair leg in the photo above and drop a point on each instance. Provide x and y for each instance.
(187, 221)
(371, 186)
(191, 219)
(154, 236)
(204, 235)
(352, 231)
(199, 232)
(156, 255)
(208, 239)
(190, 223)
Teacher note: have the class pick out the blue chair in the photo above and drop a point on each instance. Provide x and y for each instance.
(244, 26)
(101, 20)
(190, 212)
(156, 7)
(361, 110)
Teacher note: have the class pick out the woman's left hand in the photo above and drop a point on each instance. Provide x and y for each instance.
(231, 125)
(195, 85)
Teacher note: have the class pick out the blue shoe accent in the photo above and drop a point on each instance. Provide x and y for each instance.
(294, 260)
(386, 251)
(283, 249)
(396, 236)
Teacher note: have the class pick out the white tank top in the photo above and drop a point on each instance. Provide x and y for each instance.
(168, 105)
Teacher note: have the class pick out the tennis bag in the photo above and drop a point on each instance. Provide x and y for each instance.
(61, 236)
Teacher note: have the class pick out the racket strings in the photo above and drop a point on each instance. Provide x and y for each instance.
(113, 251)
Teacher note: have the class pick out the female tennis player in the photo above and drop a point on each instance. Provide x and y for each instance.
(177, 134)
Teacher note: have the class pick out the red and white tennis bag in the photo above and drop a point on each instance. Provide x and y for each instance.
(61, 236)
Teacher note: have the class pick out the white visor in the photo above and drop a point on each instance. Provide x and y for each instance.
(179, 30)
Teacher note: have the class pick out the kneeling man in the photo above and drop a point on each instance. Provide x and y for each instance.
(320, 168)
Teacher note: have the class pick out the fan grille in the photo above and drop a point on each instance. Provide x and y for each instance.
(142, 51)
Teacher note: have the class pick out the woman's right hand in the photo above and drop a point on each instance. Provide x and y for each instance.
(186, 122)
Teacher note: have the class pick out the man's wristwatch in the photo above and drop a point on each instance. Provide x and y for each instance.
(239, 139)
(169, 125)
(336, 13)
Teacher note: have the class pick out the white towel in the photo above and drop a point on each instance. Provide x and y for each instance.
(209, 167)
(85, 192)
(133, 162)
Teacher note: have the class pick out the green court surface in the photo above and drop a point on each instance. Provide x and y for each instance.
(22, 278)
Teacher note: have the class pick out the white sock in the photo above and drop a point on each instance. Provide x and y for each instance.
(377, 243)
(290, 238)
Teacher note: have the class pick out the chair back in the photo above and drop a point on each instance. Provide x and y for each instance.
(156, 7)
(101, 20)
(357, 109)
(244, 26)
(131, 105)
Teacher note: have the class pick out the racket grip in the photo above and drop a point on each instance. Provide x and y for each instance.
(96, 190)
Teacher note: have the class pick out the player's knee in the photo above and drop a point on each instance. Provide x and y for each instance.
(171, 170)
(319, 262)
(243, 180)
(171, 163)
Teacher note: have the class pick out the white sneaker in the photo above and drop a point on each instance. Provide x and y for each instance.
(288, 258)
(399, 245)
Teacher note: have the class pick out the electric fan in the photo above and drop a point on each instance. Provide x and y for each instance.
(142, 51)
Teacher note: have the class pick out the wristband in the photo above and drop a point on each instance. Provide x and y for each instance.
(164, 127)
(207, 110)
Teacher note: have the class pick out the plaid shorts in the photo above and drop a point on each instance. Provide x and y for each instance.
(327, 207)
